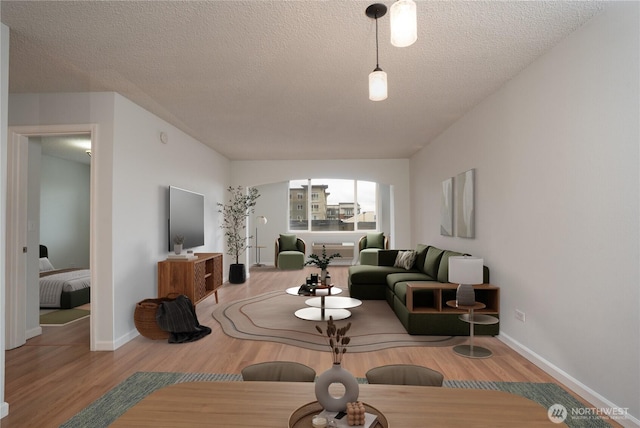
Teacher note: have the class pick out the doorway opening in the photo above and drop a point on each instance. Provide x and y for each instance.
(55, 154)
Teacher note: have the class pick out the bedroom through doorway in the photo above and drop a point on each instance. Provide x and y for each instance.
(50, 191)
(64, 233)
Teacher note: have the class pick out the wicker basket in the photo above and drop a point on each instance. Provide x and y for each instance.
(144, 317)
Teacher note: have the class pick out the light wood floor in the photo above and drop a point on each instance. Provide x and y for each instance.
(54, 376)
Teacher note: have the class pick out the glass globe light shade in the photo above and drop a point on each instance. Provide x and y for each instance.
(377, 85)
(404, 26)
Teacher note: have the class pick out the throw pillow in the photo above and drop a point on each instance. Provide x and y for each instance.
(405, 259)
(288, 242)
(375, 240)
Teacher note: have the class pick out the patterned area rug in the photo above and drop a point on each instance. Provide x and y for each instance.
(116, 402)
(270, 317)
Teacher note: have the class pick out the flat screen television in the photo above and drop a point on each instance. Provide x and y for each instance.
(186, 217)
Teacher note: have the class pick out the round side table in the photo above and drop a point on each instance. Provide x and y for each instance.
(471, 351)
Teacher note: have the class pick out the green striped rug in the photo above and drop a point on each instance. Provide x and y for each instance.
(63, 316)
(105, 410)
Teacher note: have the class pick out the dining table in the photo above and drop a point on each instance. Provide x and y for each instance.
(272, 404)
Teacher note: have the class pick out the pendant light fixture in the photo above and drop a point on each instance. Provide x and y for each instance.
(404, 23)
(377, 78)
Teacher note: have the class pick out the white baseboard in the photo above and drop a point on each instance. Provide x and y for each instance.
(104, 346)
(4, 409)
(33, 332)
(570, 382)
(122, 340)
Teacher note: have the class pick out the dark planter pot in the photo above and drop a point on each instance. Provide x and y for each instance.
(237, 273)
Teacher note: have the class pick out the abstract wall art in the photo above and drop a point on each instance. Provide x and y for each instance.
(464, 204)
(446, 208)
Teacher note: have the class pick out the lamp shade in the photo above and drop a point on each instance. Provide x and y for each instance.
(377, 85)
(404, 23)
(261, 219)
(466, 270)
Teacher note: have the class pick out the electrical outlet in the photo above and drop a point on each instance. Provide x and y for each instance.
(520, 315)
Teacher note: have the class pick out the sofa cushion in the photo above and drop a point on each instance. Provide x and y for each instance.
(364, 274)
(375, 240)
(432, 261)
(443, 270)
(290, 260)
(288, 242)
(405, 259)
(394, 278)
(421, 253)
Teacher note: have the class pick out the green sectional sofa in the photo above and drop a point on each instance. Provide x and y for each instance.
(430, 289)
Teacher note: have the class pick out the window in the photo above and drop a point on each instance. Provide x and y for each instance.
(298, 210)
(336, 205)
(367, 218)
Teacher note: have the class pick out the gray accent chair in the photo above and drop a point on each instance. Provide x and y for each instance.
(279, 371)
(405, 374)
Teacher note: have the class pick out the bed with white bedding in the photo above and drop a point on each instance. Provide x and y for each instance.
(62, 288)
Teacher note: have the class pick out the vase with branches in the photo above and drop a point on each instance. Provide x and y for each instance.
(338, 340)
(322, 261)
(240, 206)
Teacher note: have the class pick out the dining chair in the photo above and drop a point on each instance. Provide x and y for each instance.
(283, 371)
(404, 374)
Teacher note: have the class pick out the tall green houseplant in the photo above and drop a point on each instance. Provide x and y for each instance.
(235, 212)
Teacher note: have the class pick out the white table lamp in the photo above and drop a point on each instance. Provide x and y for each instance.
(466, 271)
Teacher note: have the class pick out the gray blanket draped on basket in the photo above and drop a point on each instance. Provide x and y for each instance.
(178, 317)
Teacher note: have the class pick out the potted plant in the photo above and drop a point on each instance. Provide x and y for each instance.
(178, 240)
(322, 262)
(234, 222)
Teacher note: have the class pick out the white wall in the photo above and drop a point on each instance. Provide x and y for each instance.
(4, 96)
(144, 168)
(131, 170)
(64, 210)
(392, 173)
(556, 154)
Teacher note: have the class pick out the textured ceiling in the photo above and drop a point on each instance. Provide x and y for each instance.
(285, 79)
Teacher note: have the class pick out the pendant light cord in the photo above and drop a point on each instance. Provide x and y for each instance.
(377, 62)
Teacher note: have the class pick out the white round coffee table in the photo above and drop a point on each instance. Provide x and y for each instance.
(323, 307)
